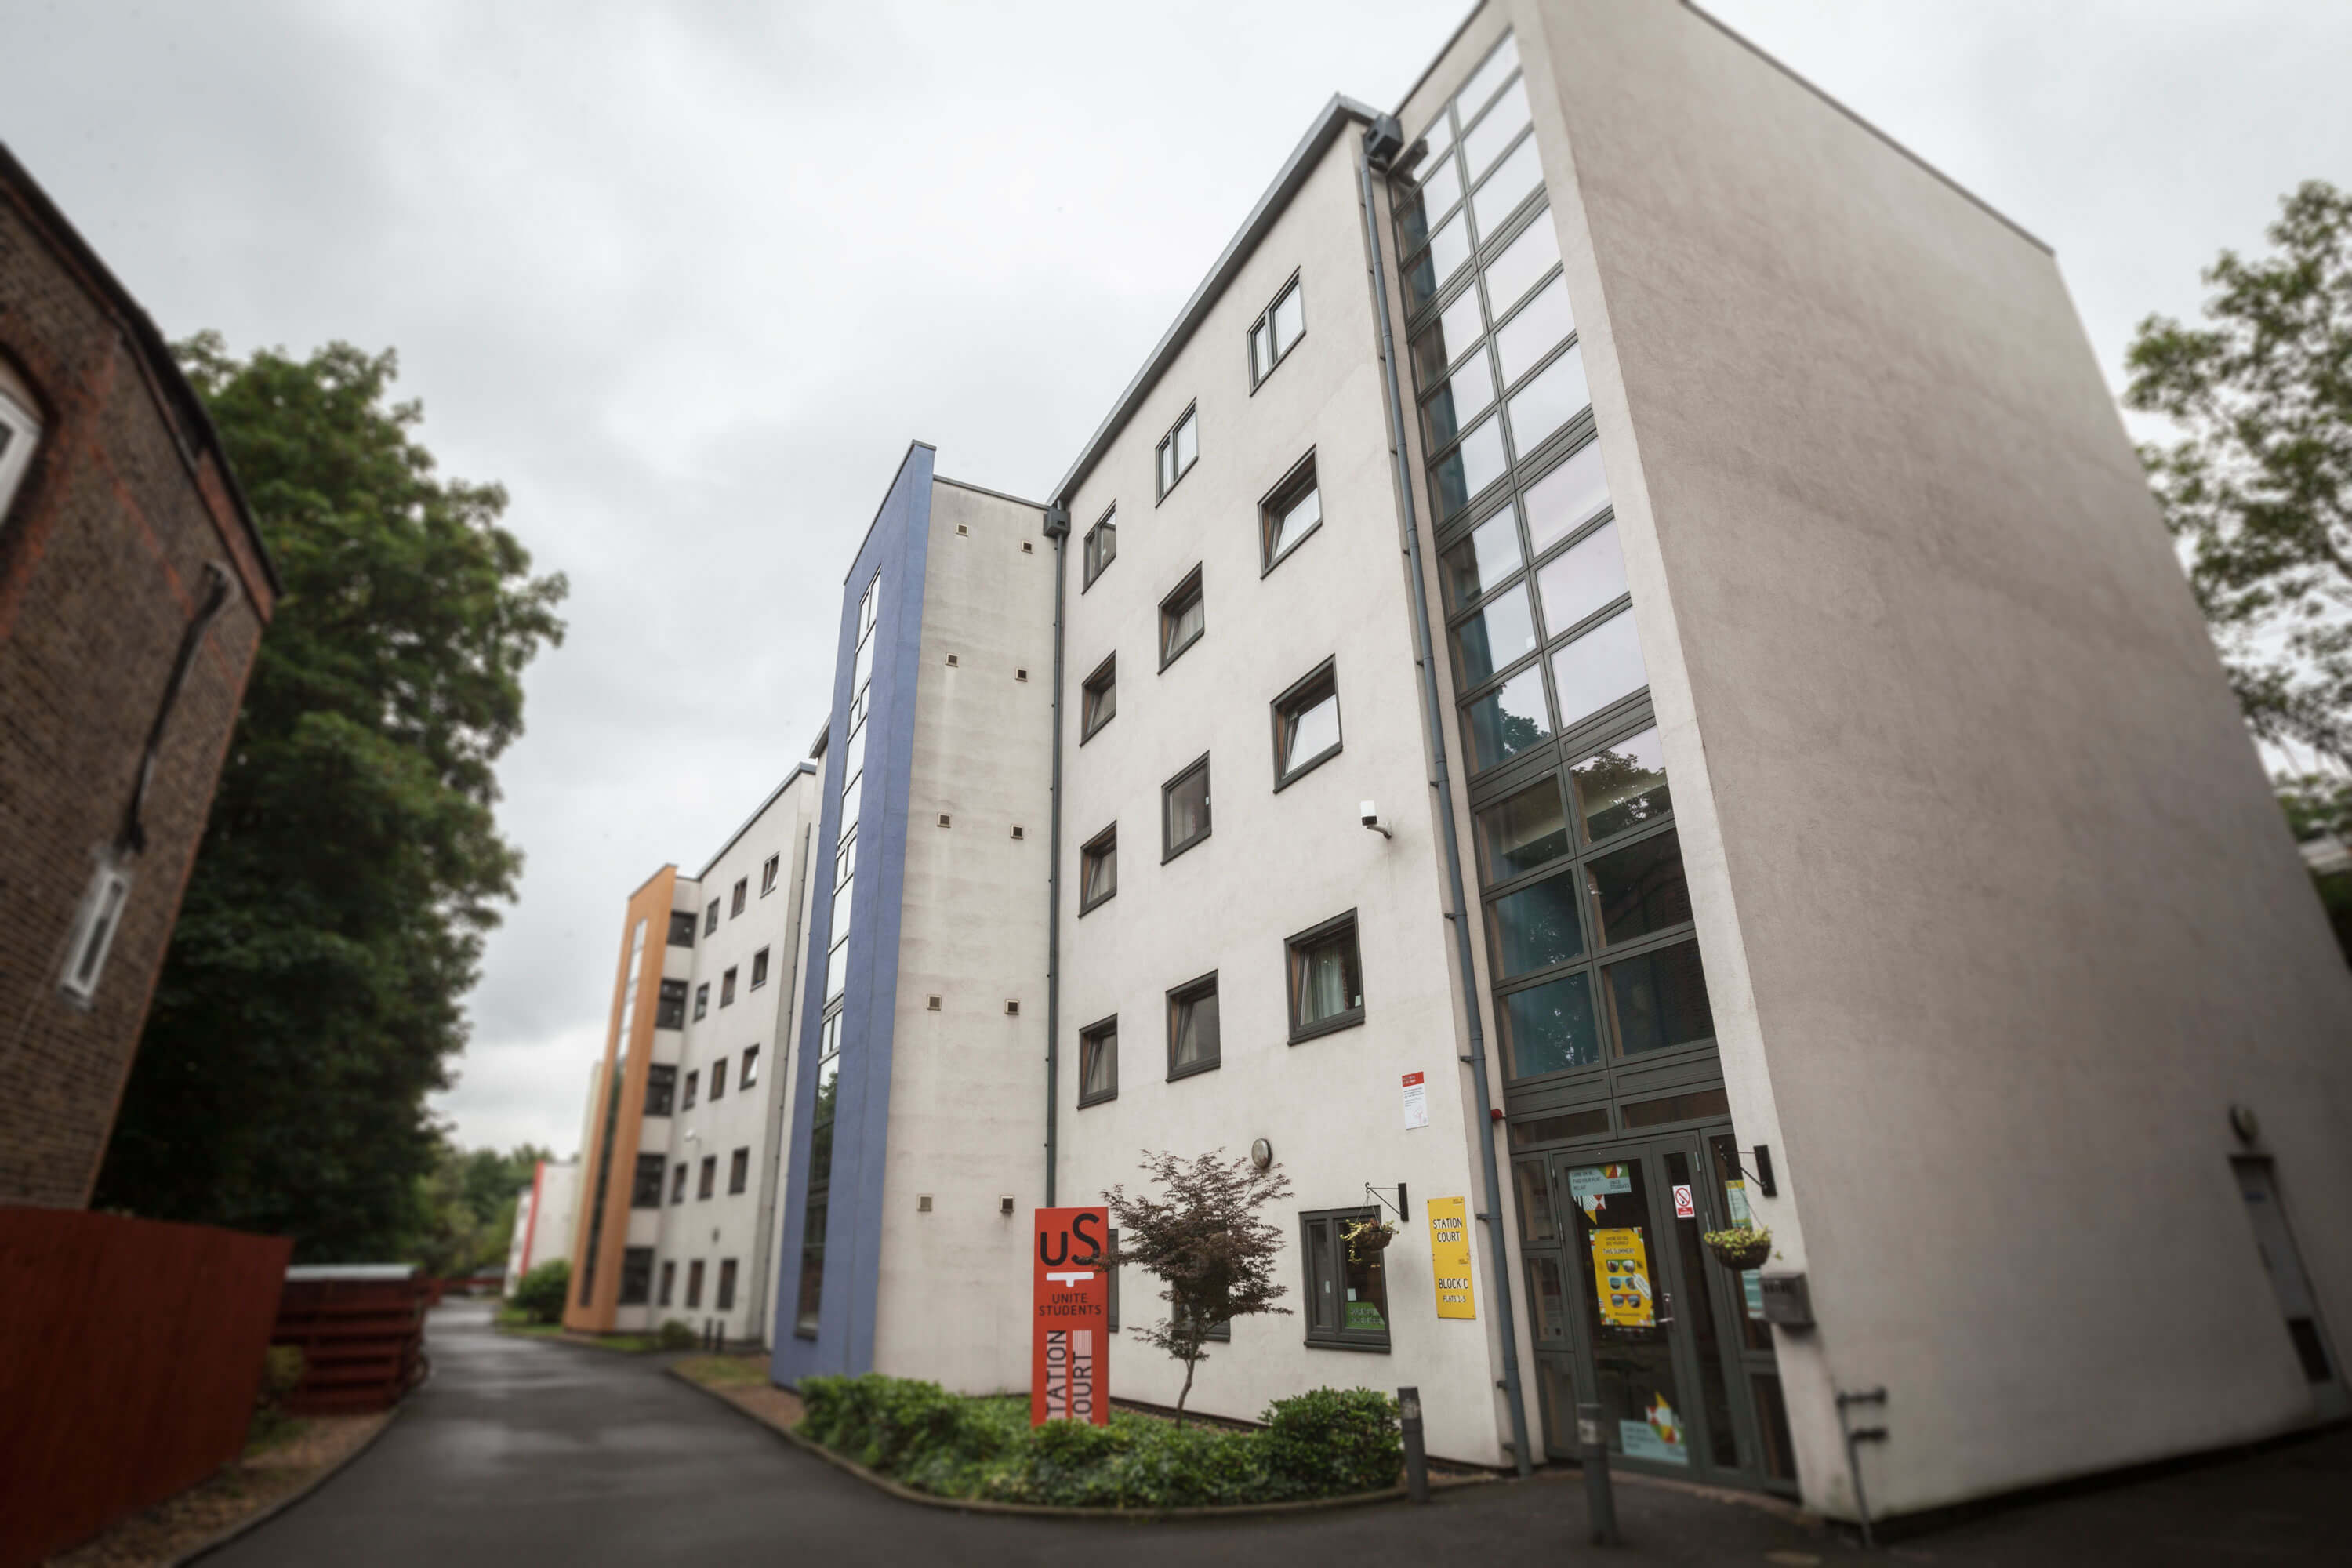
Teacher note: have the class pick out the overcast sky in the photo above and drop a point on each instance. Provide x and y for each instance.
(687, 278)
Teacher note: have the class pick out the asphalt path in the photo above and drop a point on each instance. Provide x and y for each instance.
(525, 1451)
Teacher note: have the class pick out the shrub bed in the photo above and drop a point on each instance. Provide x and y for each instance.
(1328, 1443)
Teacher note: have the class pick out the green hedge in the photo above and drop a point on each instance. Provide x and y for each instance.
(1328, 1443)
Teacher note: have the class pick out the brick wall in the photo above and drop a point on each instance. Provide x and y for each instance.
(102, 558)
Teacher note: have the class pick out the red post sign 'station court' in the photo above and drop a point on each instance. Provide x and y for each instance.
(1069, 1369)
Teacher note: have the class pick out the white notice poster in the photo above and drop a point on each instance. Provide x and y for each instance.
(1416, 1101)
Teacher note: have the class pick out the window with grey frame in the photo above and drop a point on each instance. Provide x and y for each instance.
(706, 1179)
(681, 928)
(719, 1079)
(759, 969)
(670, 1008)
(20, 434)
(1306, 724)
(678, 1184)
(1099, 1062)
(702, 1001)
(645, 1193)
(661, 1087)
(1327, 978)
(1347, 1295)
(750, 1073)
(1193, 1043)
(1179, 450)
(1184, 810)
(768, 868)
(694, 1283)
(1275, 334)
(711, 917)
(1589, 933)
(636, 1275)
(1099, 868)
(1290, 511)
(693, 1090)
(1183, 617)
(725, 1299)
(669, 1283)
(742, 895)
(1098, 699)
(738, 1171)
(1101, 546)
(727, 988)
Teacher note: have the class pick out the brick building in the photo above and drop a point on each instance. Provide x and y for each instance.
(133, 590)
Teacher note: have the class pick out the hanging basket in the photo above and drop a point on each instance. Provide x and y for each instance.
(1368, 1235)
(1741, 1248)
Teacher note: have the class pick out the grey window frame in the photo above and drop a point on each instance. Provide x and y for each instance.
(748, 1075)
(1093, 563)
(648, 1165)
(1108, 839)
(661, 1087)
(1190, 990)
(711, 917)
(738, 1171)
(681, 928)
(702, 1001)
(719, 1080)
(1192, 412)
(741, 897)
(668, 1282)
(706, 1179)
(726, 986)
(1342, 1338)
(722, 1297)
(1289, 490)
(1324, 674)
(1167, 849)
(636, 1276)
(692, 1092)
(1105, 680)
(693, 1284)
(669, 1006)
(769, 870)
(1293, 284)
(759, 969)
(1313, 934)
(1090, 1039)
(678, 1184)
(1192, 586)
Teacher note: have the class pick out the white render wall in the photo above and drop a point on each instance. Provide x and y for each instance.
(1999, 915)
(967, 1082)
(1274, 863)
(730, 1224)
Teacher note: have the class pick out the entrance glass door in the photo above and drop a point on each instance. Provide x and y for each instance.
(1626, 1302)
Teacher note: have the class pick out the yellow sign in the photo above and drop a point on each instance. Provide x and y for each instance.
(1620, 1278)
(1449, 1257)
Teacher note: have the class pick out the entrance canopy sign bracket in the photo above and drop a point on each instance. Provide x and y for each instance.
(1401, 1203)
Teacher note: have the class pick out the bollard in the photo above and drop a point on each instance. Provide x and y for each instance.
(1592, 1452)
(719, 1338)
(1416, 1462)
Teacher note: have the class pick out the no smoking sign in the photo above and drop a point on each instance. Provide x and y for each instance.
(1684, 1207)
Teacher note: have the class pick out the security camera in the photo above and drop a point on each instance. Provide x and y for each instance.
(1372, 820)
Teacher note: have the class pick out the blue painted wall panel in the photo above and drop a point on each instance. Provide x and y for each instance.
(896, 547)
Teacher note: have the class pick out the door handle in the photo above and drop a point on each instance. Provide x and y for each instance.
(1666, 1298)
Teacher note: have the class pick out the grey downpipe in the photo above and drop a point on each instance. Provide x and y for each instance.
(1434, 722)
(1057, 528)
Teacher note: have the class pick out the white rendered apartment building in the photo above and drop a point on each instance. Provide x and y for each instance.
(677, 1220)
(543, 1215)
(1615, 667)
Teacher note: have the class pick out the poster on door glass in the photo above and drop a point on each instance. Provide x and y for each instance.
(1657, 1435)
(1590, 1186)
(1620, 1278)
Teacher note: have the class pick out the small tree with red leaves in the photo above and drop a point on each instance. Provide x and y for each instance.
(1206, 1244)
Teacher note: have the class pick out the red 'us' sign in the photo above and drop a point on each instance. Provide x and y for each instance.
(1069, 1369)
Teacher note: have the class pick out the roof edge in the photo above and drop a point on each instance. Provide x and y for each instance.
(1720, 25)
(904, 459)
(774, 796)
(151, 344)
(1338, 111)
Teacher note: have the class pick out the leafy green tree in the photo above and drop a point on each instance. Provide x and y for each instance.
(539, 1294)
(311, 999)
(1205, 1241)
(2258, 487)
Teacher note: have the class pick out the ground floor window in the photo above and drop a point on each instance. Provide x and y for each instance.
(726, 1302)
(668, 1282)
(636, 1276)
(694, 1283)
(1346, 1289)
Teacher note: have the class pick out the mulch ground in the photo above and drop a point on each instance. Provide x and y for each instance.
(236, 1492)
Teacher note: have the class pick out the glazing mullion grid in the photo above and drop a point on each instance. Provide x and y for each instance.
(1548, 640)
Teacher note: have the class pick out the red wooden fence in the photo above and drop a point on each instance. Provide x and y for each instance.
(360, 1330)
(130, 1354)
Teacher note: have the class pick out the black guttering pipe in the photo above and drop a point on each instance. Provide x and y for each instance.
(1057, 528)
(1384, 130)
